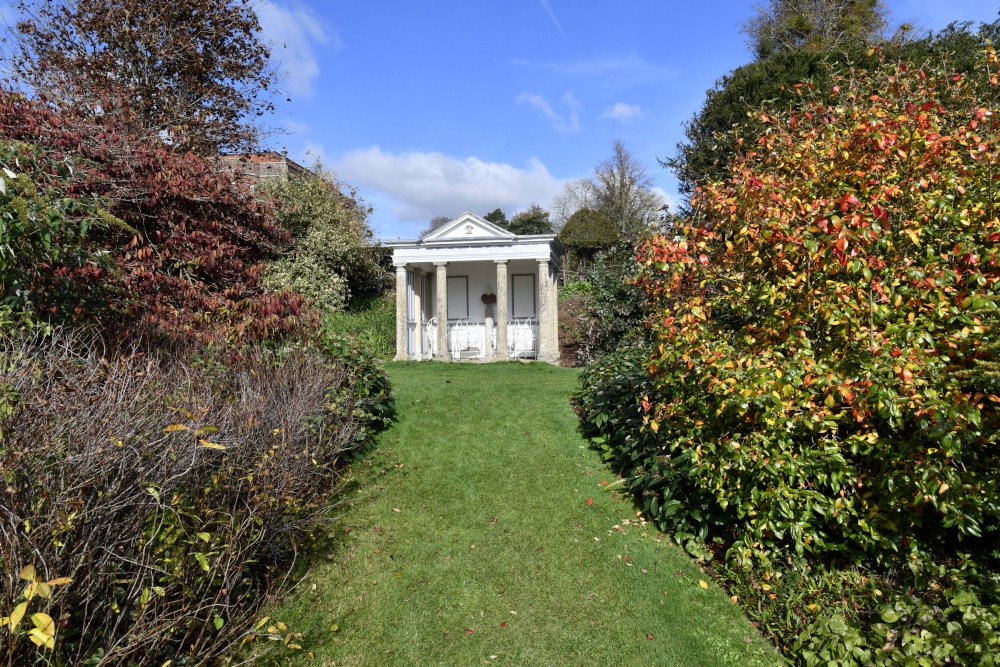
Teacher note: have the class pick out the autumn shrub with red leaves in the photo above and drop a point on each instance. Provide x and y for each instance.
(823, 388)
(188, 245)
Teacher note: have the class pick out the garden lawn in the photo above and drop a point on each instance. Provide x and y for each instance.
(470, 538)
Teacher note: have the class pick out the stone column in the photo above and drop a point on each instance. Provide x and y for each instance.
(401, 312)
(442, 311)
(544, 312)
(502, 317)
(418, 309)
(554, 296)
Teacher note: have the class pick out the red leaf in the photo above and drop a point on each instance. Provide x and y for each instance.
(503, 624)
(468, 631)
(590, 501)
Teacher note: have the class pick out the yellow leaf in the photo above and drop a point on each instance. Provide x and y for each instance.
(211, 445)
(766, 587)
(41, 639)
(944, 487)
(205, 537)
(17, 615)
(28, 573)
(334, 628)
(702, 583)
(44, 623)
(174, 428)
(43, 589)
(59, 581)
(734, 599)
(812, 607)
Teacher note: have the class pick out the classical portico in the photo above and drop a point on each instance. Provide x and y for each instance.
(473, 290)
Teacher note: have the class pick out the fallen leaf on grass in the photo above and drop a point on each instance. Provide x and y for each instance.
(649, 636)
(396, 510)
(644, 571)
(734, 599)
(590, 501)
(503, 624)
(468, 631)
(702, 583)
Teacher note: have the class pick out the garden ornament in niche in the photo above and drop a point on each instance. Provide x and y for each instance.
(489, 298)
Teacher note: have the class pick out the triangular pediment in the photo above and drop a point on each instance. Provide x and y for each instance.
(468, 226)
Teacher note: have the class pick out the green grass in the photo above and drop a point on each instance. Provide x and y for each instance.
(469, 540)
(372, 320)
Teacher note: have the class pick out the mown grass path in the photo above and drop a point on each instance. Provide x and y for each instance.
(469, 540)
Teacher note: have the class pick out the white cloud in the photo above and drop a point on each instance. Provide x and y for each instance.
(570, 123)
(552, 15)
(416, 187)
(295, 31)
(673, 201)
(623, 112)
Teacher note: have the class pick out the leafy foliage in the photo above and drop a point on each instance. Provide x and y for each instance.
(497, 217)
(335, 257)
(588, 229)
(532, 220)
(818, 392)
(713, 136)
(616, 311)
(194, 70)
(184, 248)
(47, 270)
(181, 507)
(815, 25)
(372, 321)
(821, 306)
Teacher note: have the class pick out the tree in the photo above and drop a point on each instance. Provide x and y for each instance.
(532, 220)
(195, 72)
(335, 256)
(588, 230)
(624, 193)
(778, 81)
(575, 195)
(184, 248)
(814, 25)
(497, 217)
(436, 222)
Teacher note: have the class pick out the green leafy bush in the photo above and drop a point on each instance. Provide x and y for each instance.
(181, 504)
(335, 257)
(824, 339)
(616, 310)
(47, 270)
(372, 320)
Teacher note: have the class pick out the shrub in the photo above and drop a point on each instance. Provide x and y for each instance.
(47, 270)
(191, 254)
(180, 505)
(821, 375)
(819, 322)
(588, 230)
(616, 312)
(372, 321)
(335, 258)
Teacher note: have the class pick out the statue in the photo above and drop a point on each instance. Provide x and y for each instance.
(489, 298)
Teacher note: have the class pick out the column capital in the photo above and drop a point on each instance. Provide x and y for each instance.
(543, 262)
(500, 262)
(440, 264)
(400, 267)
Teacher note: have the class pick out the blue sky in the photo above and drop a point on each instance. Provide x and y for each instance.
(432, 108)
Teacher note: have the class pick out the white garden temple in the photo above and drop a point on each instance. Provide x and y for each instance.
(473, 290)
